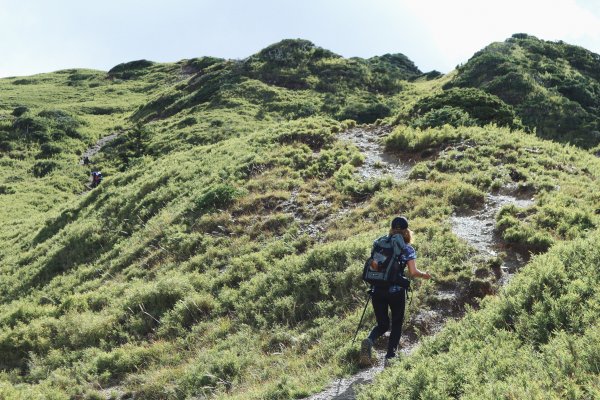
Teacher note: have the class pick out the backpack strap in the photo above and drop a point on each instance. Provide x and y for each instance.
(396, 242)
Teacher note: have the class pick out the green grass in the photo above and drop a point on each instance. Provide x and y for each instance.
(552, 86)
(191, 270)
(537, 339)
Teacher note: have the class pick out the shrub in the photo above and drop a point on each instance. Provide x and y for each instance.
(32, 126)
(214, 197)
(47, 150)
(465, 197)
(61, 120)
(6, 189)
(314, 138)
(18, 111)
(405, 138)
(189, 121)
(446, 115)
(44, 167)
(188, 311)
(130, 69)
(481, 107)
(198, 65)
(364, 111)
(147, 303)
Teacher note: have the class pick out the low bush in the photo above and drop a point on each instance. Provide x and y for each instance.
(446, 115)
(44, 167)
(480, 107)
(405, 138)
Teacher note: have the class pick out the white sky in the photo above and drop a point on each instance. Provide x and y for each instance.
(44, 36)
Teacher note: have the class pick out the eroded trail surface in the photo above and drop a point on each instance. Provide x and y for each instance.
(476, 227)
(92, 151)
(377, 162)
(86, 157)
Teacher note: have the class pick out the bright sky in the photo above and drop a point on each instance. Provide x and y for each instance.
(44, 36)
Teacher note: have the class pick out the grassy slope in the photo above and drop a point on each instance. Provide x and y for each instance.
(553, 86)
(95, 104)
(85, 284)
(539, 337)
(134, 286)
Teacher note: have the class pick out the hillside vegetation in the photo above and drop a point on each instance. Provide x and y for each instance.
(221, 255)
(553, 87)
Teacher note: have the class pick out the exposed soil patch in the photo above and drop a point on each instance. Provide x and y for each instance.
(477, 228)
(378, 162)
(344, 388)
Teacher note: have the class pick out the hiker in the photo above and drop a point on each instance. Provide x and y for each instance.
(392, 296)
(96, 178)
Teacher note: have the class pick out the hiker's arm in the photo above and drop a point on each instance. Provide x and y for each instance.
(414, 272)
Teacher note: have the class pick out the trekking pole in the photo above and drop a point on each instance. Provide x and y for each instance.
(369, 292)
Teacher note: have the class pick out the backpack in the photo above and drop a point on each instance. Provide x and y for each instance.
(383, 267)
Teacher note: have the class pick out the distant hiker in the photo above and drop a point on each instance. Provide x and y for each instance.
(385, 271)
(86, 160)
(96, 178)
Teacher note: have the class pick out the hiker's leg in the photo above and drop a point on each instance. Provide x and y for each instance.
(380, 307)
(397, 304)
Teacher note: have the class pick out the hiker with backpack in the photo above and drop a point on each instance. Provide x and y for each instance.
(384, 270)
(96, 178)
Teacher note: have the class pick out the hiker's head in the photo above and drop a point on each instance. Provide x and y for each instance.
(400, 225)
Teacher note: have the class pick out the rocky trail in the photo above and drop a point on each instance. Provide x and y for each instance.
(377, 164)
(475, 227)
(86, 157)
(95, 149)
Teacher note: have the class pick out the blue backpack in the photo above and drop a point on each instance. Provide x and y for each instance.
(383, 267)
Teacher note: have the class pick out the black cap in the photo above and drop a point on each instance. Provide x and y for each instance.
(400, 222)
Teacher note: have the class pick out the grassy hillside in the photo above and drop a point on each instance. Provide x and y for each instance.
(552, 86)
(226, 242)
(538, 339)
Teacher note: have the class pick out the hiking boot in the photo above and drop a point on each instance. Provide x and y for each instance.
(366, 349)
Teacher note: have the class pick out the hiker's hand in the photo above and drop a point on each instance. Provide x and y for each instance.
(426, 275)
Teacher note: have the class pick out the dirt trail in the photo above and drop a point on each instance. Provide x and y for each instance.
(92, 151)
(476, 227)
(377, 164)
